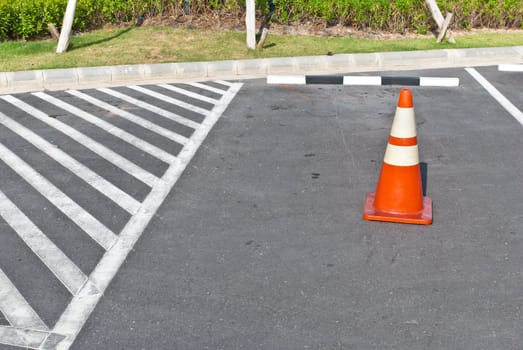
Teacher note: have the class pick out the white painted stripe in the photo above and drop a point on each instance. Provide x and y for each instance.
(61, 266)
(359, 80)
(16, 309)
(443, 82)
(161, 112)
(74, 317)
(104, 152)
(188, 93)
(171, 100)
(131, 117)
(502, 100)
(95, 229)
(81, 306)
(510, 67)
(111, 129)
(22, 337)
(226, 83)
(404, 123)
(90, 177)
(208, 88)
(286, 79)
(401, 155)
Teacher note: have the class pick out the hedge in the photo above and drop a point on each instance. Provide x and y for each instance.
(23, 19)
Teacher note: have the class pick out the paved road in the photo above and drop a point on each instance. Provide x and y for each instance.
(260, 245)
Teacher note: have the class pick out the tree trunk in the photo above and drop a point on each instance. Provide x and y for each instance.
(65, 32)
(250, 24)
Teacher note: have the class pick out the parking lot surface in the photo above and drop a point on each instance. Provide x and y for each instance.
(260, 243)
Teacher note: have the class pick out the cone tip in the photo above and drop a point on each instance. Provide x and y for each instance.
(405, 100)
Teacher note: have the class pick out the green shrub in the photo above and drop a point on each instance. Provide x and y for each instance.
(22, 19)
(27, 18)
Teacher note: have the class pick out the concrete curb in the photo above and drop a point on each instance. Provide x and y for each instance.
(85, 77)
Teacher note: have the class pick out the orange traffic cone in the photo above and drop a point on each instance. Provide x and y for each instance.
(399, 194)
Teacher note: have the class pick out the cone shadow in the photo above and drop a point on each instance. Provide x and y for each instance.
(424, 173)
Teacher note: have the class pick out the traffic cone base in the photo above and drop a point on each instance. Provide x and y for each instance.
(423, 217)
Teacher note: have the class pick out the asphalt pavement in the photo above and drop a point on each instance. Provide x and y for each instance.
(255, 240)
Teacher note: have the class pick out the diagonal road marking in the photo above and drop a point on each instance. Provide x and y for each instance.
(89, 224)
(22, 337)
(188, 93)
(61, 266)
(111, 129)
(104, 152)
(147, 106)
(26, 328)
(170, 100)
(223, 82)
(131, 117)
(82, 304)
(106, 188)
(16, 309)
(208, 88)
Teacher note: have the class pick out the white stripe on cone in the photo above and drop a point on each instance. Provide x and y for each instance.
(404, 125)
(401, 155)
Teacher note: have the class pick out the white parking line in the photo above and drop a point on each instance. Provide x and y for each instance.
(16, 309)
(61, 266)
(208, 88)
(111, 129)
(132, 118)
(106, 188)
(188, 93)
(510, 67)
(161, 112)
(22, 337)
(223, 82)
(498, 96)
(104, 152)
(89, 224)
(170, 100)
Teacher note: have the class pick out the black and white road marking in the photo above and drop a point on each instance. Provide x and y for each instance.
(362, 80)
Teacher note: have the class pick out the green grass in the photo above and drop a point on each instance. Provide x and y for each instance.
(166, 44)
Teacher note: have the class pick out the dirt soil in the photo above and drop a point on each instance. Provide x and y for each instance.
(232, 22)
(237, 23)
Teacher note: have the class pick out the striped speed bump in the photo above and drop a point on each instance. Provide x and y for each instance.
(361, 80)
(510, 67)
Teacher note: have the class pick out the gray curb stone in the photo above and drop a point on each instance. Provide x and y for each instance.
(127, 73)
(84, 77)
(3, 81)
(93, 75)
(60, 77)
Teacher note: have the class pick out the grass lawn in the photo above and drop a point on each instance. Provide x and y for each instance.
(157, 44)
